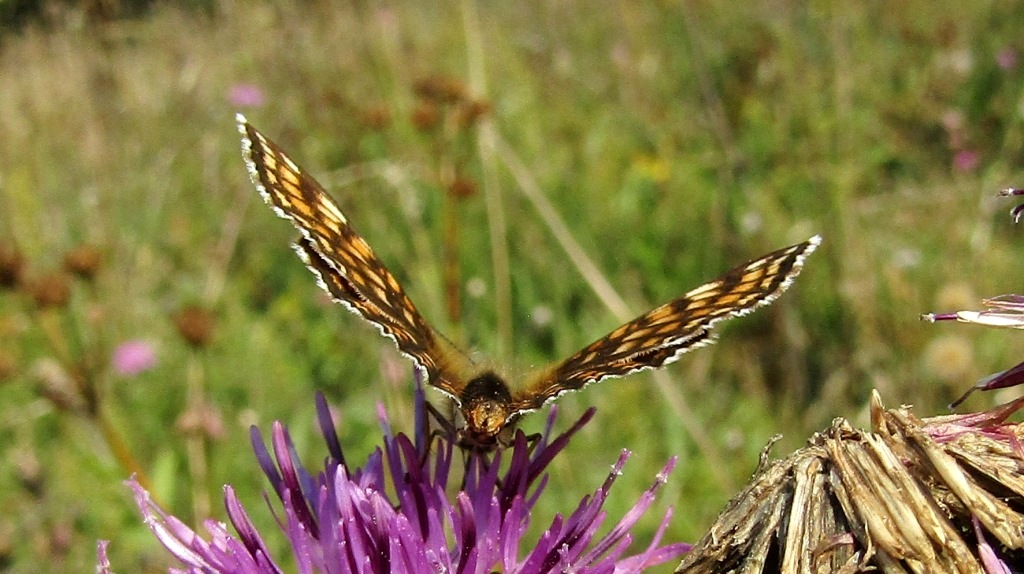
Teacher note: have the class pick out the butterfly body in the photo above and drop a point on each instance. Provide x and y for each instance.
(347, 268)
(486, 409)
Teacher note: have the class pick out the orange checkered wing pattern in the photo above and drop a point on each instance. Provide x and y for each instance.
(664, 333)
(343, 262)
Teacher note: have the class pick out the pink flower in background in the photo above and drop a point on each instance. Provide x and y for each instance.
(134, 357)
(1006, 59)
(246, 96)
(953, 121)
(387, 18)
(966, 160)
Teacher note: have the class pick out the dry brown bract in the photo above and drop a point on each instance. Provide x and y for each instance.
(913, 495)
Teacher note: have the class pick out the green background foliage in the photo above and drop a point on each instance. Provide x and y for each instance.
(673, 139)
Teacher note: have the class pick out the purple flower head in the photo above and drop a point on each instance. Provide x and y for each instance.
(133, 357)
(1007, 58)
(966, 160)
(246, 96)
(394, 514)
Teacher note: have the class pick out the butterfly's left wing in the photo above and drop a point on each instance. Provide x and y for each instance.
(661, 335)
(345, 264)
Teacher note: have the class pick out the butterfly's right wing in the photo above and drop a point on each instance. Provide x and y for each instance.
(661, 335)
(344, 263)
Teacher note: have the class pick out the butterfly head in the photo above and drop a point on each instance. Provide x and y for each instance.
(486, 409)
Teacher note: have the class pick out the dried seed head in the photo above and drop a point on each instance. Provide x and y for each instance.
(906, 492)
(8, 535)
(203, 420)
(51, 290)
(376, 118)
(471, 112)
(59, 386)
(8, 366)
(12, 266)
(426, 117)
(29, 471)
(462, 188)
(949, 358)
(83, 261)
(195, 325)
(62, 537)
(440, 89)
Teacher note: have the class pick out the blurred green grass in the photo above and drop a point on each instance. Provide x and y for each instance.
(675, 140)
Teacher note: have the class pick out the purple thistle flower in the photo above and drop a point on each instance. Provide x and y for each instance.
(1006, 58)
(246, 96)
(394, 514)
(966, 160)
(133, 357)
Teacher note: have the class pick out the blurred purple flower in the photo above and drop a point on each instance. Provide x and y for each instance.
(246, 96)
(966, 160)
(387, 18)
(134, 357)
(1006, 58)
(343, 519)
(953, 121)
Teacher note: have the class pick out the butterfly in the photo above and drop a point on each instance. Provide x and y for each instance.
(347, 268)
